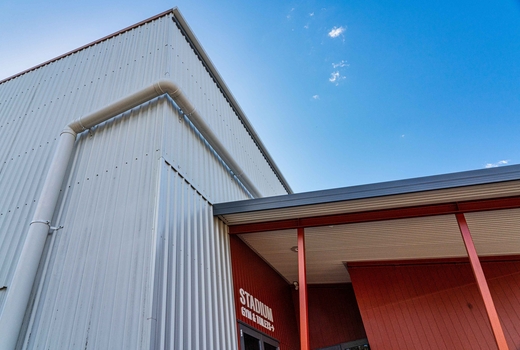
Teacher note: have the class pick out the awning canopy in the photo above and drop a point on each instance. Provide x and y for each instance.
(397, 220)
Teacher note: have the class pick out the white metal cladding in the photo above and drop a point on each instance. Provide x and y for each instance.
(186, 150)
(206, 96)
(193, 299)
(36, 105)
(96, 276)
(102, 73)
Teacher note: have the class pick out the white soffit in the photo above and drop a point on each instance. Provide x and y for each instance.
(328, 247)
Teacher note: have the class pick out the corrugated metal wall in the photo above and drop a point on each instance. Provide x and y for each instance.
(98, 282)
(436, 306)
(96, 277)
(186, 150)
(334, 316)
(102, 263)
(35, 107)
(254, 275)
(200, 88)
(193, 296)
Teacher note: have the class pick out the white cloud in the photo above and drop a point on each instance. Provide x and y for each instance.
(336, 31)
(289, 15)
(341, 64)
(316, 97)
(306, 26)
(497, 164)
(311, 14)
(336, 77)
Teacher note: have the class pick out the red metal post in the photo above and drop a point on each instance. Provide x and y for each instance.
(482, 283)
(302, 292)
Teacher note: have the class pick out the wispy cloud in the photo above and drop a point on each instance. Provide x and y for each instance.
(341, 64)
(497, 164)
(316, 97)
(306, 26)
(336, 31)
(311, 14)
(290, 12)
(336, 77)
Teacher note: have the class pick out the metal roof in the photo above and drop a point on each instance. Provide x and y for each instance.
(362, 192)
(396, 220)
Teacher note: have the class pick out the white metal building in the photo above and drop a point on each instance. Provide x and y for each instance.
(131, 218)
(123, 252)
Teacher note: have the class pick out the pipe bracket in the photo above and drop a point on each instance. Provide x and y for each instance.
(52, 229)
(46, 222)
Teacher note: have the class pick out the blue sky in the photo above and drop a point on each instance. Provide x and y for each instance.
(341, 92)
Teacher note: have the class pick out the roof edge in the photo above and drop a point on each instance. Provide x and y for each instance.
(380, 189)
(227, 93)
(133, 26)
(209, 65)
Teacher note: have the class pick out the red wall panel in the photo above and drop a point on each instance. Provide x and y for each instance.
(435, 305)
(334, 316)
(254, 276)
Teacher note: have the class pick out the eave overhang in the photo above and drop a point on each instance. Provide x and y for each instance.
(411, 219)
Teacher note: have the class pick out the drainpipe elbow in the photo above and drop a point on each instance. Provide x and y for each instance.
(68, 130)
(165, 86)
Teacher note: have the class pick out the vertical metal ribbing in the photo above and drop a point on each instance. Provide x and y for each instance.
(200, 314)
(20, 288)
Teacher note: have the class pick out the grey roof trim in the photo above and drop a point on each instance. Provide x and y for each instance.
(229, 96)
(420, 184)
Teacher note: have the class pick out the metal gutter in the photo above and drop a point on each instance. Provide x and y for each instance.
(421, 184)
(18, 292)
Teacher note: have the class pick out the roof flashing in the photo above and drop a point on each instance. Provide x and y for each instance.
(381, 189)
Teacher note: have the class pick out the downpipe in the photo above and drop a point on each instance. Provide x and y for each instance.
(18, 292)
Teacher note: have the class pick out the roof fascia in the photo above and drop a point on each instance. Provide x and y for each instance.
(380, 215)
(421, 184)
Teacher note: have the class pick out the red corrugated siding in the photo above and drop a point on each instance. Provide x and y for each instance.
(252, 274)
(504, 283)
(435, 306)
(333, 315)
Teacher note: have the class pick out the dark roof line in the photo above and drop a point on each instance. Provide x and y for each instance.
(420, 184)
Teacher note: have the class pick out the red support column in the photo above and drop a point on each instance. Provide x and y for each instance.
(482, 283)
(302, 292)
